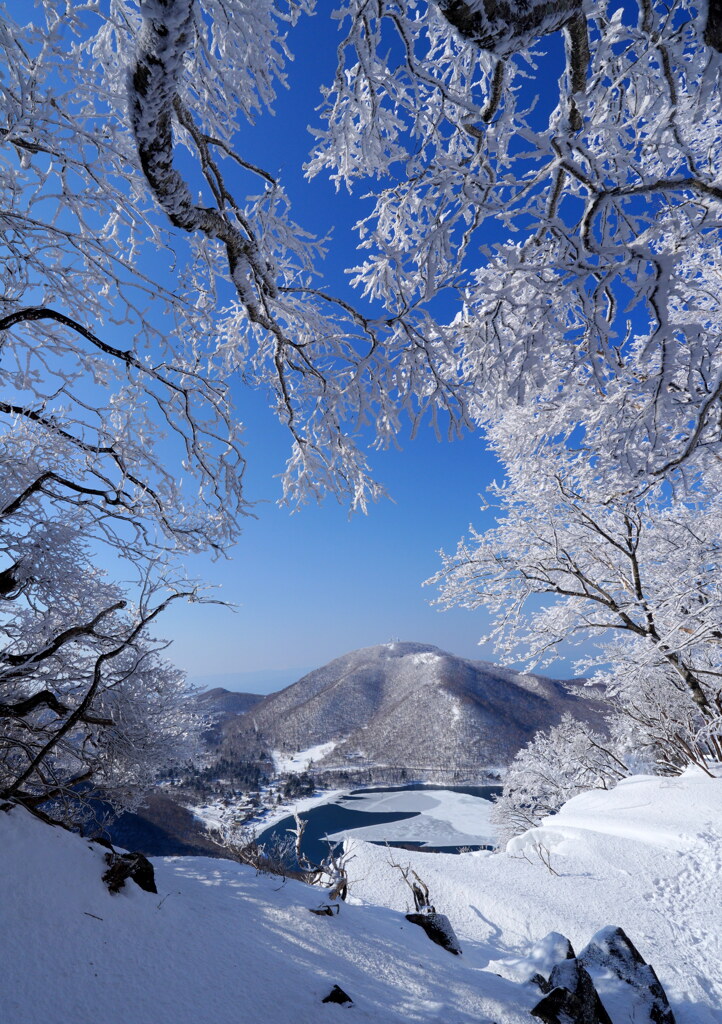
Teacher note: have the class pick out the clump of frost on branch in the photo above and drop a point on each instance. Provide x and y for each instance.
(593, 310)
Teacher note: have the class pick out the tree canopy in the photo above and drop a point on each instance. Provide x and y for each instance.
(541, 264)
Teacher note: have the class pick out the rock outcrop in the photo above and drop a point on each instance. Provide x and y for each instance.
(619, 968)
(438, 928)
(122, 866)
(609, 969)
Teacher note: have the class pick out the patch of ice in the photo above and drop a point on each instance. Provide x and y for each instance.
(443, 818)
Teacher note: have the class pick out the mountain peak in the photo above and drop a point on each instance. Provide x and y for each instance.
(413, 706)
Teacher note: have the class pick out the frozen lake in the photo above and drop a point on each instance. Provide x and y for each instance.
(424, 817)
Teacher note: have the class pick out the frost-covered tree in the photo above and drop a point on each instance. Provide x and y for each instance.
(636, 580)
(103, 411)
(544, 231)
(651, 712)
(102, 365)
(586, 178)
(88, 705)
(556, 765)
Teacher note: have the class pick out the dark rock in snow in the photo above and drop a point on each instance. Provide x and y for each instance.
(102, 841)
(572, 998)
(438, 928)
(326, 909)
(612, 957)
(122, 866)
(540, 981)
(337, 995)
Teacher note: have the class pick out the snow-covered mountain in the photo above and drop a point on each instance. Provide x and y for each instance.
(411, 706)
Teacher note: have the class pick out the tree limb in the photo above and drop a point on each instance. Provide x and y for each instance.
(24, 707)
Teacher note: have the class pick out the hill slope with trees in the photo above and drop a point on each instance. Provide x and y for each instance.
(409, 710)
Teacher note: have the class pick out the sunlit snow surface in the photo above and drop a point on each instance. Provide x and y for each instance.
(646, 856)
(443, 818)
(294, 764)
(221, 944)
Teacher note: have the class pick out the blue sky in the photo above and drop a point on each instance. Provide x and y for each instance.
(311, 586)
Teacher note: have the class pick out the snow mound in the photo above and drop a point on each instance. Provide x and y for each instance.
(670, 813)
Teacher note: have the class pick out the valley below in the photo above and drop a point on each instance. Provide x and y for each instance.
(398, 716)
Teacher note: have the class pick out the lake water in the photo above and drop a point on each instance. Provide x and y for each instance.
(437, 818)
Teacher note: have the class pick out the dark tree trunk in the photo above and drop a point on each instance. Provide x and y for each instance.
(505, 26)
(713, 28)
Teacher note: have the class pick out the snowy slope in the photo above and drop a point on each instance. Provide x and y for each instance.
(219, 944)
(646, 856)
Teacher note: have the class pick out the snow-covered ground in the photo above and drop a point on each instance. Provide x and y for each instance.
(443, 818)
(294, 764)
(219, 943)
(646, 856)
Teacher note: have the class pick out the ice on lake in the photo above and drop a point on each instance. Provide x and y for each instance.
(441, 818)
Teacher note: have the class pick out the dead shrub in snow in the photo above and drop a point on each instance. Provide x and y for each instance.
(283, 855)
